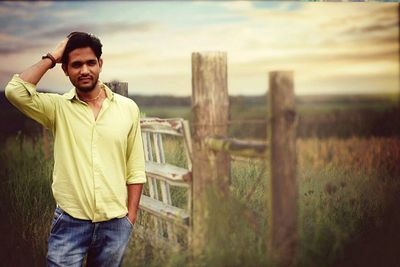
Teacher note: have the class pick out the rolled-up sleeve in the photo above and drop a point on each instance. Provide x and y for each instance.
(38, 106)
(135, 156)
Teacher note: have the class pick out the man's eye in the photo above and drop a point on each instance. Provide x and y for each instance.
(75, 65)
(92, 63)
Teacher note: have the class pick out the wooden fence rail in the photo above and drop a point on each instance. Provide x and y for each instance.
(235, 147)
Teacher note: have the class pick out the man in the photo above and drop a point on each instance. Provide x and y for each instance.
(98, 154)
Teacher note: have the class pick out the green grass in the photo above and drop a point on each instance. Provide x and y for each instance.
(333, 205)
(27, 204)
(313, 108)
(335, 201)
(322, 118)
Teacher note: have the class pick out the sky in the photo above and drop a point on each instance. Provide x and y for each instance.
(333, 48)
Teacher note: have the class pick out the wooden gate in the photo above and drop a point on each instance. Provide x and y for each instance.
(168, 220)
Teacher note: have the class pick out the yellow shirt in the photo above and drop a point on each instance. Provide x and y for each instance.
(94, 160)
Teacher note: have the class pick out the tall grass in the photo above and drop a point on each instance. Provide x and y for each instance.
(343, 184)
(26, 202)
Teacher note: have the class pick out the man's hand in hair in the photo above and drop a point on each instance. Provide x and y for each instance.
(58, 52)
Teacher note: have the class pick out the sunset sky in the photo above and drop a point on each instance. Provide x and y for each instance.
(331, 47)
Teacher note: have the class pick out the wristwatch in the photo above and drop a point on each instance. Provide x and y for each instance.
(50, 56)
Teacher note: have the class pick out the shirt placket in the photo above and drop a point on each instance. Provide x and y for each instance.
(96, 171)
(96, 161)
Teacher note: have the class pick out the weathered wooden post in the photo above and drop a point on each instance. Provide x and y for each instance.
(398, 27)
(282, 198)
(118, 87)
(210, 109)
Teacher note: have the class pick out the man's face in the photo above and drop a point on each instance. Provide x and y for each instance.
(83, 69)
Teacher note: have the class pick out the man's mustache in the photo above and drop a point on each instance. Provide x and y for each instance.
(85, 77)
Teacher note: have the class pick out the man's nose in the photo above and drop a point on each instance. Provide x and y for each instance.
(84, 69)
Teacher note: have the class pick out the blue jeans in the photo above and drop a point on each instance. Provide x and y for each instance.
(71, 239)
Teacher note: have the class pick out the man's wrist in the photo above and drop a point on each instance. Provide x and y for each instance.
(132, 216)
(132, 211)
(53, 60)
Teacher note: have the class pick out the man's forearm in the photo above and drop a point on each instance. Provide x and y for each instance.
(134, 193)
(34, 73)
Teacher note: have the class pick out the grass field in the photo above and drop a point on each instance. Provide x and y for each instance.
(319, 116)
(345, 185)
(305, 106)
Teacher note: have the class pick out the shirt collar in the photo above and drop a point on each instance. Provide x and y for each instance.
(72, 93)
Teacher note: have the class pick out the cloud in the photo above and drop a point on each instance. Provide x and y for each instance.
(365, 22)
(23, 7)
(385, 40)
(241, 6)
(145, 43)
(325, 58)
(4, 37)
(344, 83)
(22, 10)
(41, 38)
(373, 27)
(263, 44)
(19, 46)
(27, 5)
(27, 26)
(69, 13)
(108, 28)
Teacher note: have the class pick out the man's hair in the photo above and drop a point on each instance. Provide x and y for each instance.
(81, 40)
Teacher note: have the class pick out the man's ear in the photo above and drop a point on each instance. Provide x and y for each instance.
(64, 67)
(100, 63)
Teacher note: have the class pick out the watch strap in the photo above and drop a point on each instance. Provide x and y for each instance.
(53, 60)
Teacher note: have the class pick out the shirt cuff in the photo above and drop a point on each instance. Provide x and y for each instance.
(30, 87)
(139, 177)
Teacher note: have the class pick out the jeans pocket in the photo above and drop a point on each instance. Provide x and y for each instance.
(58, 214)
(127, 219)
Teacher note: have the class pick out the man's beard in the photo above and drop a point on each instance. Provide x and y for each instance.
(86, 89)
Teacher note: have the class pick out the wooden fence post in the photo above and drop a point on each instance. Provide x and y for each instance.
(282, 198)
(210, 109)
(118, 87)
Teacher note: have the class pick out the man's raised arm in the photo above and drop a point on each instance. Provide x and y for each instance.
(34, 73)
(21, 90)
